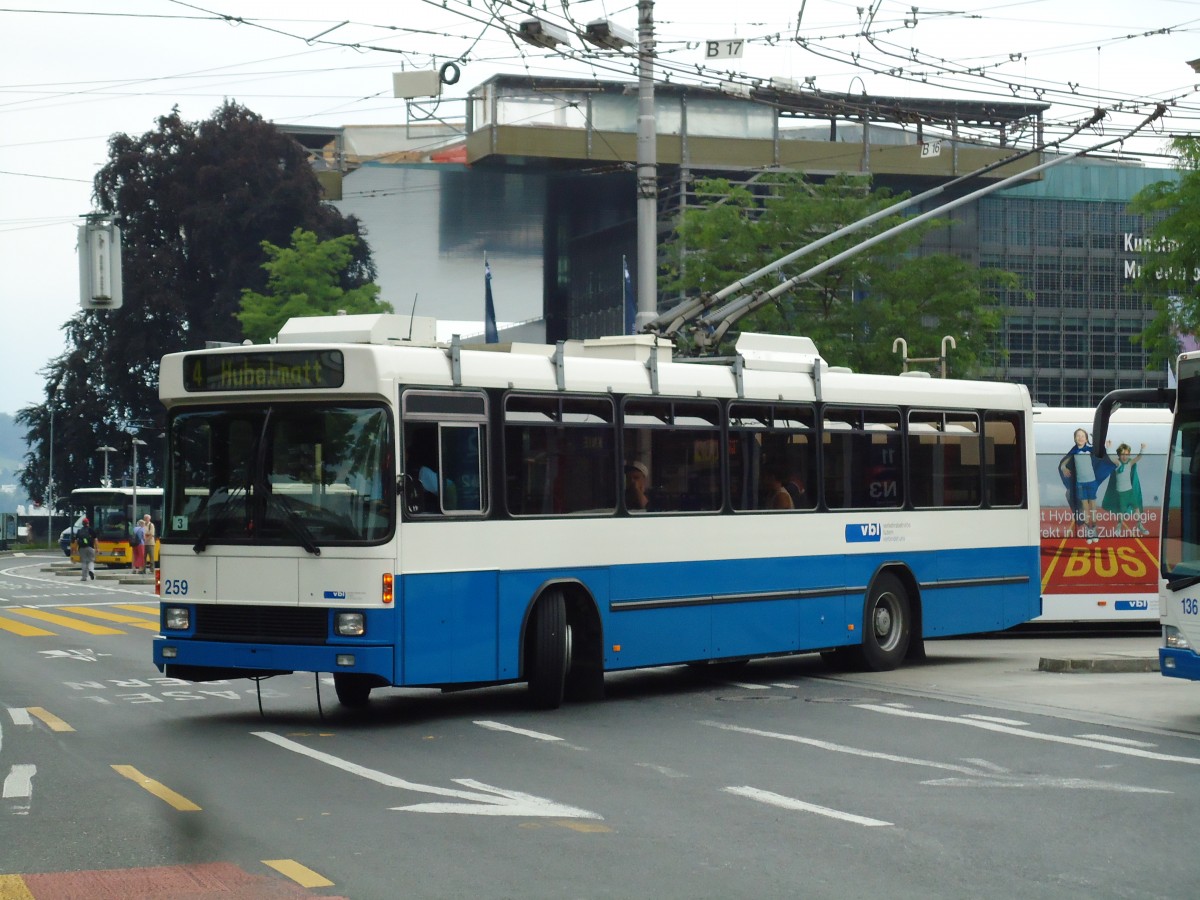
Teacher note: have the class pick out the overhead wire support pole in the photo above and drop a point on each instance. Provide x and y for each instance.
(722, 319)
(677, 317)
(647, 172)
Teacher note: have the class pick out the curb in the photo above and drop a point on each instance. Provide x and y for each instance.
(1121, 664)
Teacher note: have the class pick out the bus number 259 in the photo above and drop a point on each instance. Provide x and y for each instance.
(177, 587)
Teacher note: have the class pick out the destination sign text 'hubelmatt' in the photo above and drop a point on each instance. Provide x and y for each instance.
(285, 370)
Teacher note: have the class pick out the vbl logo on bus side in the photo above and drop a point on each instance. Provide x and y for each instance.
(864, 533)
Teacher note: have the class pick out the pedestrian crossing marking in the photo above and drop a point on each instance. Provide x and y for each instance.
(64, 621)
(137, 607)
(98, 613)
(53, 721)
(25, 631)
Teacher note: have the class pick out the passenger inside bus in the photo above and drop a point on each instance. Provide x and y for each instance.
(637, 476)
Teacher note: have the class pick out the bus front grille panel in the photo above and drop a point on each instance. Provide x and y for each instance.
(266, 624)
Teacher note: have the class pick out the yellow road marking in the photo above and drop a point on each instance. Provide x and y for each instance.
(53, 721)
(97, 613)
(157, 788)
(137, 607)
(75, 624)
(25, 631)
(12, 887)
(302, 875)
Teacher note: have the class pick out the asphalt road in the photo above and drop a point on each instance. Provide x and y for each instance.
(975, 774)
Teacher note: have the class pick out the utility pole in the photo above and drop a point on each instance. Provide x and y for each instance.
(647, 172)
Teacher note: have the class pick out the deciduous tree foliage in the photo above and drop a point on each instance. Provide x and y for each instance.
(855, 310)
(1170, 259)
(195, 201)
(304, 280)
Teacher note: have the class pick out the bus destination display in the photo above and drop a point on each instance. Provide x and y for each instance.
(285, 370)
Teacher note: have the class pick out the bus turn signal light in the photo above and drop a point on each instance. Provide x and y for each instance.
(389, 588)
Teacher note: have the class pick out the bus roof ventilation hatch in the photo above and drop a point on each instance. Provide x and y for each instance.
(636, 347)
(779, 352)
(369, 328)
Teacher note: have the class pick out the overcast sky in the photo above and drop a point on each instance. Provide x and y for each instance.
(71, 76)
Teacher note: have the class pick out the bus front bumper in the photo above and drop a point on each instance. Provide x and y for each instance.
(1179, 663)
(201, 661)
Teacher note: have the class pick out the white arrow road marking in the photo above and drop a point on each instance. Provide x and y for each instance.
(1036, 735)
(789, 803)
(495, 802)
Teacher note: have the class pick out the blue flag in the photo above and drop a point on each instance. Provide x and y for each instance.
(629, 301)
(490, 334)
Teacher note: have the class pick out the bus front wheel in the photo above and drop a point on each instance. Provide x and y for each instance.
(352, 690)
(548, 651)
(887, 624)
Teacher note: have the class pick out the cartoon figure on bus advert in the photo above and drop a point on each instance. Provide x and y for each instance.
(1082, 474)
(1124, 494)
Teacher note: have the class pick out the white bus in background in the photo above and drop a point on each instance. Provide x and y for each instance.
(397, 512)
(1112, 574)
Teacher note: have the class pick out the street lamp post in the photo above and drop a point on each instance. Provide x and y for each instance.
(136, 442)
(50, 527)
(106, 450)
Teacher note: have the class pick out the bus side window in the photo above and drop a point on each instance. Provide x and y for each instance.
(1004, 459)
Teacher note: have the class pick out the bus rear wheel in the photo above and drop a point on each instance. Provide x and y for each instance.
(548, 651)
(887, 624)
(352, 690)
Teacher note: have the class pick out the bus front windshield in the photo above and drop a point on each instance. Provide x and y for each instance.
(299, 474)
(1181, 512)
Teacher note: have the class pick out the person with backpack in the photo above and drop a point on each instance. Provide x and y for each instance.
(137, 540)
(85, 538)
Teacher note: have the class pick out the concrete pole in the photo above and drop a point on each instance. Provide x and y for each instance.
(647, 172)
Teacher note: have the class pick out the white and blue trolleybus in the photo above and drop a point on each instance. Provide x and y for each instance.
(357, 499)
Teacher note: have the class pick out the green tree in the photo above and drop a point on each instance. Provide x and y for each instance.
(1170, 265)
(305, 280)
(194, 201)
(855, 310)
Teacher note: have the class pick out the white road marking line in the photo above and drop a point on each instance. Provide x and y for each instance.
(20, 715)
(988, 718)
(799, 805)
(749, 687)
(841, 748)
(1126, 742)
(19, 783)
(1036, 735)
(1045, 781)
(662, 770)
(985, 764)
(785, 686)
(511, 729)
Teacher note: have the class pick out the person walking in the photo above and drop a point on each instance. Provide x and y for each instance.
(137, 541)
(85, 537)
(151, 539)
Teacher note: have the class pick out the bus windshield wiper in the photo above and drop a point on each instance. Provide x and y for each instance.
(1182, 581)
(217, 520)
(294, 524)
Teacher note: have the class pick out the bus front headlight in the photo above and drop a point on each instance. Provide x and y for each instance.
(349, 624)
(177, 618)
(1173, 639)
